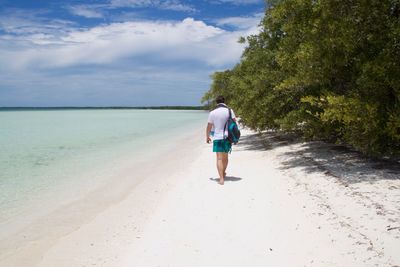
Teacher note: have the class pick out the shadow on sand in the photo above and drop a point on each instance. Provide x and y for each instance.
(266, 141)
(346, 165)
(227, 179)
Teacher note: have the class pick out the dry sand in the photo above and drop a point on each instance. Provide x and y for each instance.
(284, 203)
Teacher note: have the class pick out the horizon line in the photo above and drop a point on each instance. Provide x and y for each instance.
(107, 107)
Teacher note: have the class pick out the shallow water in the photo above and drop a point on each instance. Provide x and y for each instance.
(44, 153)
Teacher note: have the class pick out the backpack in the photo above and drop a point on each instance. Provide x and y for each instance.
(233, 129)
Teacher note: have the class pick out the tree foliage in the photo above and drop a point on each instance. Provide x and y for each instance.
(328, 69)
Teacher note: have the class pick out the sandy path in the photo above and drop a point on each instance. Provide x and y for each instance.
(266, 214)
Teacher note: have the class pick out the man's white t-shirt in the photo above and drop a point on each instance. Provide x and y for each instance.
(218, 118)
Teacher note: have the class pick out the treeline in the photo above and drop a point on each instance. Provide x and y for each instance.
(327, 69)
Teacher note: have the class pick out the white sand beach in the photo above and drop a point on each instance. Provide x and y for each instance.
(284, 203)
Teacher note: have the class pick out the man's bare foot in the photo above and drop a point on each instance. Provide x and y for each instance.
(221, 182)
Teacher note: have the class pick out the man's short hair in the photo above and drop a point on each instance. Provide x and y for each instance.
(220, 99)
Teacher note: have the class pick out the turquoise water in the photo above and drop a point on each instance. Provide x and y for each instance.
(43, 151)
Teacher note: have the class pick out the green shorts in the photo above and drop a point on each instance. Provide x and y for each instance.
(222, 146)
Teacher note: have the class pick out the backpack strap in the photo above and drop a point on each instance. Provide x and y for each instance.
(225, 128)
(221, 106)
(230, 117)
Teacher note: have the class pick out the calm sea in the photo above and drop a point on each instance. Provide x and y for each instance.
(45, 152)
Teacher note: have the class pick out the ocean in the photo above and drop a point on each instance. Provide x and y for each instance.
(51, 157)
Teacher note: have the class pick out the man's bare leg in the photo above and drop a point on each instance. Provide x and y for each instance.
(220, 167)
(225, 162)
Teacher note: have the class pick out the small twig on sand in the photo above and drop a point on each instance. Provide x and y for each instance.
(392, 228)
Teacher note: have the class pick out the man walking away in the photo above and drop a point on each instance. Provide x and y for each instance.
(217, 120)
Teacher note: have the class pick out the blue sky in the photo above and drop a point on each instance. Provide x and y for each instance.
(118, 52)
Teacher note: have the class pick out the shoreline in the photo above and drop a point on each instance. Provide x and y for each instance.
(25, 246)
(284, 203)
(59, 166)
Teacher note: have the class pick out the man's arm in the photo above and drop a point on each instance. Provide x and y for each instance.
(233, 116)
(208, 130)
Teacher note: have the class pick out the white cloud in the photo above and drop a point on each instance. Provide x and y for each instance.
(176, 5)
(117, 85)
(161, 4)
(99, 10)
(132, 3)
(21, 22)
(240, 22)
(87, 11)
(163, 40)
(42, 60)
(238, 2)
(126, 16)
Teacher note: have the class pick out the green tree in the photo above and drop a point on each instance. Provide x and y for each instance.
(327, 69)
